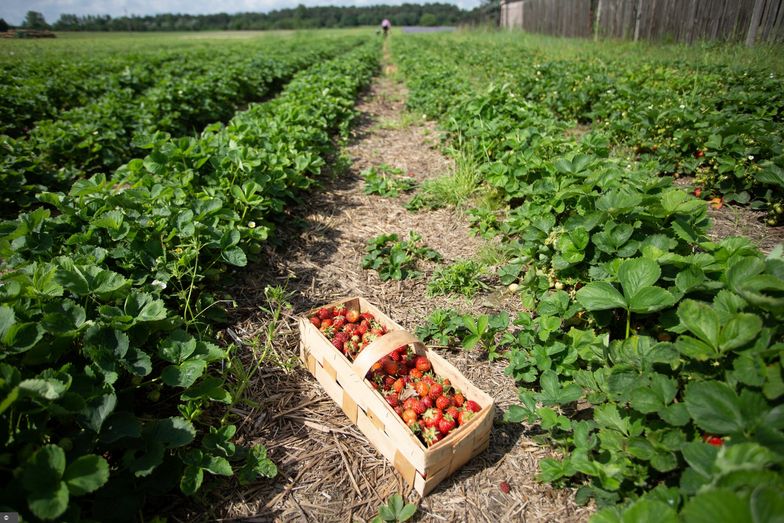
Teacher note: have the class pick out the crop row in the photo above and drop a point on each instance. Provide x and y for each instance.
(106, 133)
(652, 357)
(110, 377)
(720, 123)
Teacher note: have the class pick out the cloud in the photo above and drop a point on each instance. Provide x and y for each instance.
(13, 11)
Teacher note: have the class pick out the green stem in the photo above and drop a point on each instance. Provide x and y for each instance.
(628, 322)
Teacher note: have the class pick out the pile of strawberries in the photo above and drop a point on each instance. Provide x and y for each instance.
(428, 404)
(349, 330)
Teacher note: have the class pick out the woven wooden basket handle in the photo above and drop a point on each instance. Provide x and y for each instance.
(381, 347)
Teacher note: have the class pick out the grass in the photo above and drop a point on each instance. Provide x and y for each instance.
(456, 189)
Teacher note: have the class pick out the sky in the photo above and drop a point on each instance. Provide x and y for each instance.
(13, 11)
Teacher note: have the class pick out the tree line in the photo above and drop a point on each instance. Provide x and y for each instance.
(299, 17)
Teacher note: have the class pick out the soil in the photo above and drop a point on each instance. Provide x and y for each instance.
(328, 471)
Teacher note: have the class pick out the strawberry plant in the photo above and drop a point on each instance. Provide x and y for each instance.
(651, 356)
(397, 259)
(387, 181)
(111, 374)
(461, 277)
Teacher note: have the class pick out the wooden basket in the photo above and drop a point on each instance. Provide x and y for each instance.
(422, 467)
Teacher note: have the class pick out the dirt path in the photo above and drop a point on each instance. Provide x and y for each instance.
(328, 471)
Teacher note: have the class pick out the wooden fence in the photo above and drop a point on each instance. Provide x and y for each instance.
(687, 21)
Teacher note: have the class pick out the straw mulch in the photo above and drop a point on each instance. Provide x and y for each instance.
(327, 469)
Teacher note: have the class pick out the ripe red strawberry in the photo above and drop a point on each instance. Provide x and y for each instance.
(698, 192)
(505, 488)
(369, 338)
(418, 406)
(390, 366)
(399, 410)
(338, 322)
(464, 416)
(392, 399)
(443, 402)
(432, 417)
(352, 316)
(472, 406)
(713, 440)
(338, 343)
(324, 313)
(326, 322)
(435, 391)
(409, 402)
(453, 411)
(339, 310)
(427, 402)
(431, 436)
(362, 329)
(459, 399)
(446, 424)
(315, 320)
(388, 382)
(415, 373)
(422, 363)
(367, 316)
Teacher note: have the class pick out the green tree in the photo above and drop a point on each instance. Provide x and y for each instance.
(428, 20)
(34, 20)
(3, 26)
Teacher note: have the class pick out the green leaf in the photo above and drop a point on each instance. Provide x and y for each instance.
(716, 505)
(86, 474)
(120, 425)
(767, 505)
(171, 432)
(740, 330)
(210, 388)
(44, 469)
(177, 346)
(651, 299)
(7, 319)
(770, 174)
(217, 465)
(702, 320)
(637, 274)
(49, 503)
(235, 256)
(714, 407)
(598, 296)
(690, 278)
(97, 410)
(192, 478)
(607, 415)
(185, 374)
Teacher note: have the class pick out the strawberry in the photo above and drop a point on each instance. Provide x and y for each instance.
(427, 402)
(713, 440)
(326, 322)
(388, 382)
(352, 316)
(339, 310)
(369, 338)
(398, 385)
(362, 329)
(472, 406)
(443, 403)
(435, 391)
(446, 424)
(432, 417)
(390, 366)
(392, 399)
(459, 399)
(316, 321)
(399, 410)
(409, 417)
(464, 416)
(422, 363)
(327, 330)
(431, 436)
(504, 487)
(422, 388)
(338, 322)
(338, 343)
(418, 406)
(324, 313)
(415, 373)
(453, 411)
(698, 192)
(367, 316)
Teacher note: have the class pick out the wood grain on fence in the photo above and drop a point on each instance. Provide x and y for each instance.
(687, 21)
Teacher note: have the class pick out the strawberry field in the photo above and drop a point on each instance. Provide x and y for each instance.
(543, 212)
